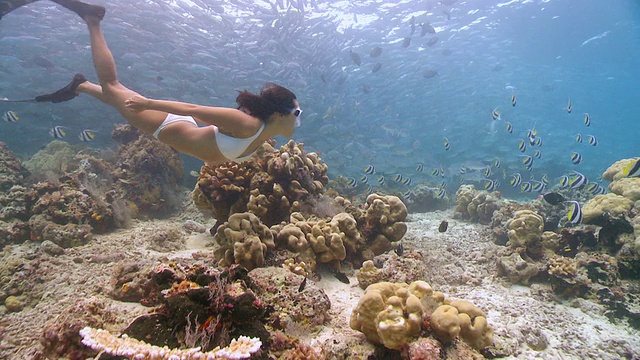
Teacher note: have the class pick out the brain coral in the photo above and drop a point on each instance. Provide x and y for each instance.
(393, 314)
(525, 231)
(384, 216)
(611, 204)
(476, 205)
(243, 240)
(461, 318)
(317, 240)
(620, 205)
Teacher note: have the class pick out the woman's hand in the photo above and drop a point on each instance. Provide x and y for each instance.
(137, 103)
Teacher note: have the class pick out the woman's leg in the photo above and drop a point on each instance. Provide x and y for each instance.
(112, 91)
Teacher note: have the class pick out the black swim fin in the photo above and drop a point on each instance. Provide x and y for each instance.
(82, 8)
(65, 94)
(6, 6)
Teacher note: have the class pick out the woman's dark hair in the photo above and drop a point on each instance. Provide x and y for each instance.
(273, 98)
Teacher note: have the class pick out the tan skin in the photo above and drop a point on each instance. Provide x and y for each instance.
(147, 114)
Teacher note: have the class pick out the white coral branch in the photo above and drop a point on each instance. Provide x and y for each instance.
(102, 340)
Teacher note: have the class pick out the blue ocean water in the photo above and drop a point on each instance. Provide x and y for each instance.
(429, 87)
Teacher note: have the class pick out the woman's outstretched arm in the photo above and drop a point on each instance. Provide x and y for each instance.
(229, 120)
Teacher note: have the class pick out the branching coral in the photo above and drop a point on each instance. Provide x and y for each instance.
(562, 266)
(102, 340)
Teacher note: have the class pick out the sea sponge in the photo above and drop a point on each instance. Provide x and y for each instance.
(611, 204)
(525, 229)
(243, 240)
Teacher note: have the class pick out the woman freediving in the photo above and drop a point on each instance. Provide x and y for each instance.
(229, 134)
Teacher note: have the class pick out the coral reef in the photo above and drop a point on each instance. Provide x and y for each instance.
(75, 193)
(619, 215)
(56, 158)
(391, 314)
(561, 266)
(147, 172)
(423, 349)
(395, 314)
(318, 241)
(60, 338)
(11, 170)
(245, 240)
(502, 216)
(272, 185)
(475, 205)
(14, 210)
(225, 189)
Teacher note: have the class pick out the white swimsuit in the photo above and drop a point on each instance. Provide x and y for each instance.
(229, 146)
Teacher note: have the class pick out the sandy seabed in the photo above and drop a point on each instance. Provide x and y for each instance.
(528, 321)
